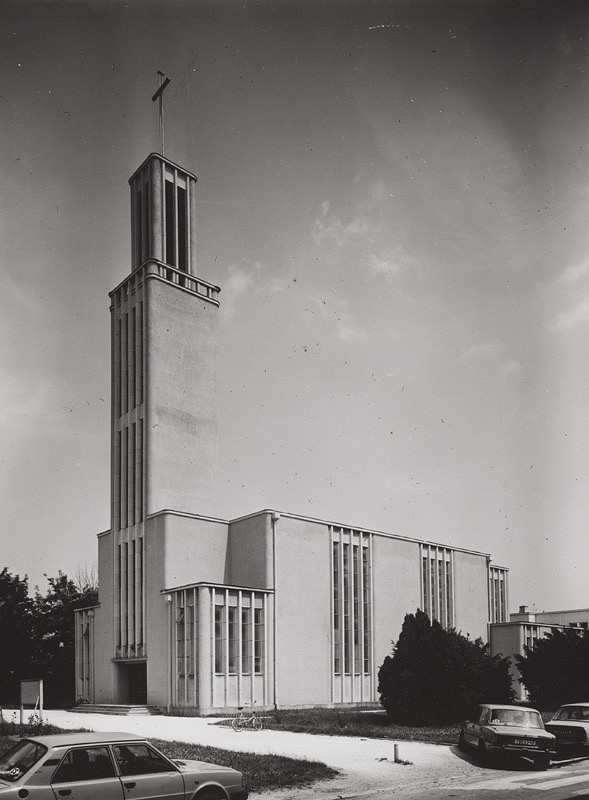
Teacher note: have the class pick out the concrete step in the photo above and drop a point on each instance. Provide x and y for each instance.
(115, 708)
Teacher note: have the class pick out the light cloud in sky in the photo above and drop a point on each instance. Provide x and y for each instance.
(575, 272)
(478, 351)
(577, 315)
(388, 266)
(328, 228)
(335, 310)
(241, 278)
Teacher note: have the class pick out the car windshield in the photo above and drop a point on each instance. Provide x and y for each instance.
(573, 712)
(516, 716)
(19, 759)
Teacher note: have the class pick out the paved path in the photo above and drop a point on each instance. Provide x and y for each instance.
(366, 765)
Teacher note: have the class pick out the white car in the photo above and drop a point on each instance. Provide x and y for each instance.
(109, 766)
(570, 725)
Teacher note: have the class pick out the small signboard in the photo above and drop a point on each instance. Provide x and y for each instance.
(31, 694)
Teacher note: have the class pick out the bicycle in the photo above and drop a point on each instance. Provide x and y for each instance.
(247, 719)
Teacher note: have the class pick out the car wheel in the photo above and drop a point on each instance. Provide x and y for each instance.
(483, 752)
(209, 794)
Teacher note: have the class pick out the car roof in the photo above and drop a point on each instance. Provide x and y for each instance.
(510, 708)
(84, 737)
(575, 705)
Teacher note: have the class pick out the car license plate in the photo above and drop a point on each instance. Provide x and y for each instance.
(525, 742)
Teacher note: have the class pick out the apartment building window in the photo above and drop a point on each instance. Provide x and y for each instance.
(437, 584)
(219, 639)
(351, 618)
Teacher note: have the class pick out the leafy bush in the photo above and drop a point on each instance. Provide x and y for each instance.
(436, 676)
(555, 670)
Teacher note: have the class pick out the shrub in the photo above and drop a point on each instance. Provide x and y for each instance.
(555, 670)
(436, 676)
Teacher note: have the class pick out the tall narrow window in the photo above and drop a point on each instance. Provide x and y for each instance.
(233, 638)
(139, 356)
(145, 216)
(356, 608)
(182, 226)
(258, 640)
(139, 475)
(131, 358)
(189, 632)
(170, 225)
(139, 226)
(246, 640)
(365, 611)
(337, 635)
(219, 639)
(180, 654)
(132, 461)
(437, 580)
(346, 591)
(119, 367)
(139, 595)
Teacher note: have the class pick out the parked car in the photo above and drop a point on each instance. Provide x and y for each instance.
(508, 731)
(570, 725)
(109, 766)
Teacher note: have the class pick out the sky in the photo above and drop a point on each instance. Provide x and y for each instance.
(392, 196)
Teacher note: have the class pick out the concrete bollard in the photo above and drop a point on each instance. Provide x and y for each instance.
(396, 752)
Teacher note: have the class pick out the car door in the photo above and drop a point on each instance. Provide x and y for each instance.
(87, 773)
(146, 775)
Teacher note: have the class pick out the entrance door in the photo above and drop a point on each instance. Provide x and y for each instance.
(137, 683)
(132, 683)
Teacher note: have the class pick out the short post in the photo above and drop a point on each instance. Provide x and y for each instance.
(396, 752)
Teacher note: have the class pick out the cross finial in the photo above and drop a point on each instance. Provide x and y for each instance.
(163, 82)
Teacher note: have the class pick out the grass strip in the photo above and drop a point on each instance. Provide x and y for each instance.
(261, 771)
(367, 724)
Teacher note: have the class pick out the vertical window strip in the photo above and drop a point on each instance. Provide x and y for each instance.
(118, 503)
(118, 367)
(182, 226)
(356, 607)
(259, 629)
(124, 476)
(123, 595)
(219, 638)
(119, 578)
(139, 355)
(131, 594)
(137, 213)
(132, 462)
(346, 599)
(337, 637)
(146, 225)
(366, 617)
(232, 639)
(124, 365)
(246, 636)
(131, 358)
(140, 595)
(140, 471)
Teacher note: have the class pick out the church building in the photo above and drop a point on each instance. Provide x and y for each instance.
(198, 614)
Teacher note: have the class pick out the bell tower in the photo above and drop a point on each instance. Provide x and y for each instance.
(164, 420)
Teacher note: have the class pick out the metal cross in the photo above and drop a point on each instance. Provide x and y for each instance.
(159, 95)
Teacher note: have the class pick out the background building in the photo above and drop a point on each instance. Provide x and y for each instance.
(199, 614)
(524, 628)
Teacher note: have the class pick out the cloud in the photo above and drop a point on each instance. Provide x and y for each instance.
(575, 272)
(336, 312)
(329, 229)
(578, 315)
(383, 265)
(242, 277)
(479, 351)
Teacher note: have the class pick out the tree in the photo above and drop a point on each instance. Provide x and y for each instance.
(53, 632)
(15, 635)
(436, 675)
(555, 670)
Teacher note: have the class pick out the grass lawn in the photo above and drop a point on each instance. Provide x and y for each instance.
(261, 771)
(366, 724)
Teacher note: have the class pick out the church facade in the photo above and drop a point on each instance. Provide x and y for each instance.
(199, 614)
